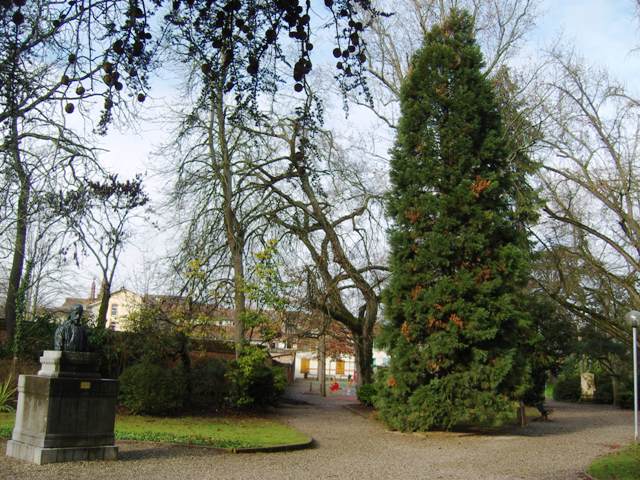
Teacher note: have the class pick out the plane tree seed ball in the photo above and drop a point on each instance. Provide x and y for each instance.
(18, 18)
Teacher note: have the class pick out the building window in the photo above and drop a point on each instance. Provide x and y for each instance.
(113, 326)
(114, 310)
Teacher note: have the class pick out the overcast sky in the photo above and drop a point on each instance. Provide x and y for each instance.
(603, 32)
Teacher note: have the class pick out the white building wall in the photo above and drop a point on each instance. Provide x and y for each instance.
(331, 366)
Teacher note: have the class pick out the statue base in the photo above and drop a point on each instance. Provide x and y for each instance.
(41, 456)
(54, 363)
(65, 413)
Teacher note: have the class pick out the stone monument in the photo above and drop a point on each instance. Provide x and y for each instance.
(587, 386)
(66, 412)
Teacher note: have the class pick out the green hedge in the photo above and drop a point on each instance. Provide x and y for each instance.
(209, 387)
(152, 389)
(366, 394)
(604, 389)
(252, 382)
(567, 388)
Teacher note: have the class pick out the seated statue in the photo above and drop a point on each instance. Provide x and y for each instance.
(71, 336)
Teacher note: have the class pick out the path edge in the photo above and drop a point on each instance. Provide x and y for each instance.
(288, 447)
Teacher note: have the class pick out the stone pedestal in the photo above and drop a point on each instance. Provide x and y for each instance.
(66, 412)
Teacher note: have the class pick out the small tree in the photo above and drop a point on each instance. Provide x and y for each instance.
(459, 247)
(99, 214)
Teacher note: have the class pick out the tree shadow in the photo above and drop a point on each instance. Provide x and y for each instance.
(566, 418)
(135, 451)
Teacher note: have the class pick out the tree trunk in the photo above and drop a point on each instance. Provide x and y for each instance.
(322, 374)
(34, 298)
(105, 294)
(185, 359)
(522, 414)
(239, 299)
(615, 388)
(20, 243)
(233, 228)
(363, 344)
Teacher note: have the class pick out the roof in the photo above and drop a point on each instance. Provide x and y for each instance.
(69, 302)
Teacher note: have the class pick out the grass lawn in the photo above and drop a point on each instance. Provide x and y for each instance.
(622, 465)
(225, 432)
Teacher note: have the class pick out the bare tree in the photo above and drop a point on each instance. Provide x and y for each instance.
(501, 26)
(50, 55)
(99, 214)
(215, 193)
(590, 178)
(328, 204)
(34, 172)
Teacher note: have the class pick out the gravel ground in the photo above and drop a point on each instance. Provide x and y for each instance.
(354, 447)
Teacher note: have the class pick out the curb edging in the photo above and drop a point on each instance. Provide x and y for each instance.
(274, 448)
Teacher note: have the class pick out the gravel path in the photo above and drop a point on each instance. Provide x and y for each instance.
(351, 446)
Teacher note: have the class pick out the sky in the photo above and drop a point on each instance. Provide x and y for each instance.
(603, 32)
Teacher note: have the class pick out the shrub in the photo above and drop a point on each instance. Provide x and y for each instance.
(625, 398)
(7, 391)
(37, 336)
(604, 389)
(366, 393)
(208, 384)
(567, 388)
(253, 383)
(153, 389)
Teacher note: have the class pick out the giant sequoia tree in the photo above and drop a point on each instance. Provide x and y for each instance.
(459, 249)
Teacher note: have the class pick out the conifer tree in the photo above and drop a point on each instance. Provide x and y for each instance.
(459, 248)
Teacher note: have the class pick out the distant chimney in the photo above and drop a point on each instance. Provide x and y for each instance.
(92, 296)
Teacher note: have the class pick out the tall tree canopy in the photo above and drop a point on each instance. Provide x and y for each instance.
(58, 58)
(459, 247)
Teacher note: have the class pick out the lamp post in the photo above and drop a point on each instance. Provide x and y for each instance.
(633, 317)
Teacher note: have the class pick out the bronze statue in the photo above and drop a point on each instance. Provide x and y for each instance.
(71, 336)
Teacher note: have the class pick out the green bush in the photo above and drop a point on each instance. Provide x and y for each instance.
(153, 389)
(34, 336)
(625, 398)
(37, 336)
(366, 393)
(208, 384)
(567, 388)
(253, 383)
(604, 389)
(119, 350)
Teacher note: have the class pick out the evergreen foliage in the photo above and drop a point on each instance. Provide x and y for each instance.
(252, 382)
(152, 389)
(459, 248)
